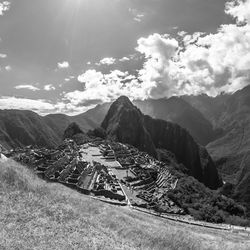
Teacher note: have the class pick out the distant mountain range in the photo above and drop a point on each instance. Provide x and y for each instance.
(178, 111)
(232, 114)
(18, 128)
(174, 109)
(21, 128)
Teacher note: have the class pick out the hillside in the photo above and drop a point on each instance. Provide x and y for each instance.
(19, 128)
(149, 134)
(36, 214)
(86, 121)
(232, 113)
(178, 111)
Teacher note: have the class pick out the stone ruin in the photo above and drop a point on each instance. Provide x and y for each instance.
(145, 186)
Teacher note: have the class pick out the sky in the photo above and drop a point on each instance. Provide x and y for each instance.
(66, 56)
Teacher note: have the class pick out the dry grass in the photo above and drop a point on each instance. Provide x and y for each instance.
(39, 215)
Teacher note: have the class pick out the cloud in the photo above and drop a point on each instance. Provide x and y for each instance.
(156, 46)
(69, 78)
(186, 64)
(107, 61)
(4, 6)
(49, 87)
(156, 77)
(137, 15)
(99, 88)
(90, 77)
(199, 63)
(182, 33)
(239, 9)
(27, 86)
(63, 65)
(124, 59)
(3, 55)
(7, 102)
(8, 68)
(43, 107)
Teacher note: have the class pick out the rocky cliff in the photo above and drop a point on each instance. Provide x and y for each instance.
(125, 123)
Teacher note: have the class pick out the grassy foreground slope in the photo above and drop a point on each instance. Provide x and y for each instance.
(39, 215)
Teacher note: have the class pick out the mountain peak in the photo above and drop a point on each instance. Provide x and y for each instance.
(123, 100)
(124, 123)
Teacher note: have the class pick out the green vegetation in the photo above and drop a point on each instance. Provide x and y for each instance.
(39, 215)
(205, 204)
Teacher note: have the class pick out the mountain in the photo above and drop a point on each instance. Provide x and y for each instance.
(231, 151)
(86, 121)
(178, 111)
(72, 130)
(95, 116)
(124, 122)
(212, 108)
(19, 128)
(235, 120)
(58, 123)
(232, 113)
(242, 189)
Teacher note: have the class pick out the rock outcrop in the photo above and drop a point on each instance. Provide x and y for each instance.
(125, 123)
(72, 130)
